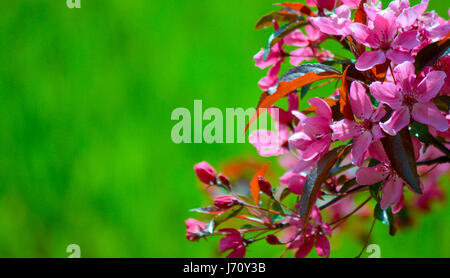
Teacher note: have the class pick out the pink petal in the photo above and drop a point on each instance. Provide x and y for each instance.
(371, 175)
(323, 109)
(271, 78)
(429, 114)
(238, 252)
(407, 17)
(273, 58)
(294, 182)
(345, 129)
(316, 125)
(266, 142)
(370, 59)
(363, 34)
(387, 93)
(322, 246)
(326, 4)
(325, 24)
(378, 114)
(300, 140)
(316, 148)
(296, 38)
(399, 56)
(360, 101)
(305, 248)
(392, 192)
(384, 26)
(301, 54)
(376, 151)
(407, 40)
(405, 75)
(399, 119)
(429, 87)
(360, 146)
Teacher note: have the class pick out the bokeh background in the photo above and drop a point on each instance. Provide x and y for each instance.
(86, 155)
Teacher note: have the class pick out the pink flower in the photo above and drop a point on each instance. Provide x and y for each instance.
(334, 24)
(411, 97)
(225, 201)
(205, 173)
(393, 186)
(269, 143)
(312, 137)
(364, 131)
(234, 241)
(315, 235)
(194, 229)
(274, 59)
(384, 41)
(309, 45)
(294, 182)
(406, 15)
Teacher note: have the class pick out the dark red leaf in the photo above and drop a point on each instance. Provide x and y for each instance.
(400, 151)
(315, 180)
(429, 55)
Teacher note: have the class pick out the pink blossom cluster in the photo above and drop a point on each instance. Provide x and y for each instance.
(383, 135)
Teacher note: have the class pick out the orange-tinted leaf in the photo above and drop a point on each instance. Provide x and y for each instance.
(285, 87)
(379, 71)
(254, 185)
(267, 20)
(315, 180)
(344, 100)
(360, 15)
(303, 9)
(400, 151)
(429, 55)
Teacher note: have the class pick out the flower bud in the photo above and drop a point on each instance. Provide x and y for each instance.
(264, 185)
(272, 240)
(225, 201)
(194, 229)
(223, 179)
(205, 173)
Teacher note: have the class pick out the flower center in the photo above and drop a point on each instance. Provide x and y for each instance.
(366, 124)
(409, 100)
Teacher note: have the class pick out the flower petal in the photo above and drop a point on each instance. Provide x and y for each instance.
(363, 34)
(371, 175)
(360, 146)
(360, 101)
(369, 59)
(387, 93)
(322, 246)
(407, 40)
(323, 109)
(345, 129)
(392, 192)
(399, 119)
(430, 85)
(405, 75)
(429, 114)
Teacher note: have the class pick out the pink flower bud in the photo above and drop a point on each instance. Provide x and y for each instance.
(225, 201)
(194, 228)
(264, 185)
(223, 179)
(205, 173)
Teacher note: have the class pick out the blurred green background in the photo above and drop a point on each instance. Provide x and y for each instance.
(86, 155)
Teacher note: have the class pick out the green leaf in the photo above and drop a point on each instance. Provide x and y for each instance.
(315, 180)
(386, 217)
(280, 16)
(230, 213)
(208, 210)
(400, 151)
(375, 191)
